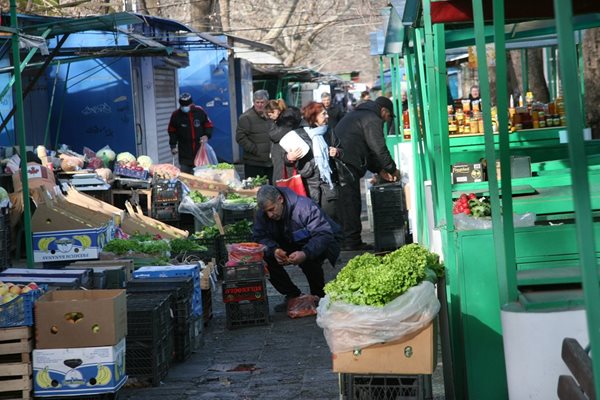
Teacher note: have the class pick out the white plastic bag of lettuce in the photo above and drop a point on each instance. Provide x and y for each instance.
(348, 326)
(379, 299)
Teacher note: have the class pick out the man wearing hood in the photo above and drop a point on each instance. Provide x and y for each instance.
(189, 126)
(295, 231)
(361, 135)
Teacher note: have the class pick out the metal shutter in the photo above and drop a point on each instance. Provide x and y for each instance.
(165, 102)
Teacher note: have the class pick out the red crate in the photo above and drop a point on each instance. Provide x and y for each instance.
(244, 291)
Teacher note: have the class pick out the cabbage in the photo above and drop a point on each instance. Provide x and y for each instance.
(145, 161)
(106, 154)
(125, 157)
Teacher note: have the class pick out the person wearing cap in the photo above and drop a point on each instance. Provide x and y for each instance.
(188, 127)
(252, 134)
(362, 138)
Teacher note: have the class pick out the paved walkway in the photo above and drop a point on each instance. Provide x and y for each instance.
(286, 360)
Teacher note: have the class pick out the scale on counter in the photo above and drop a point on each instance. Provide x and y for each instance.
(88, 182)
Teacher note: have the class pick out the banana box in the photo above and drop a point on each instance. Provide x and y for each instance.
(61, 234)
(79, 371)
(80, 318)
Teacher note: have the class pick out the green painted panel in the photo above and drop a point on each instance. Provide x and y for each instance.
(480, 316)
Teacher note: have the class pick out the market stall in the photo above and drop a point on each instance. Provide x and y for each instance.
(504, 272)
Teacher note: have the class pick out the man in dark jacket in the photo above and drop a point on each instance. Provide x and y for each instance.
(252, 134)
(189, 126)
(295, 231)
(334, 111)
(361, 135)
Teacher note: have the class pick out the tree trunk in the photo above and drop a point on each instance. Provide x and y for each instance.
(591, 53)
(535, 76)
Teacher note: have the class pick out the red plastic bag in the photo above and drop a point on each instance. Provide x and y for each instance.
(295, 182)
(205, 156)
(248, 252)
(304, 305)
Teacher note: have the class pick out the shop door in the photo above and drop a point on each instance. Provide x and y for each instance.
(165, 102)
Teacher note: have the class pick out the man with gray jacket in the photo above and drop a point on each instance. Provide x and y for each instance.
(252, 134)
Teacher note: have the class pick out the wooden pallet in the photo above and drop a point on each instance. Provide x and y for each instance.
(16, 345)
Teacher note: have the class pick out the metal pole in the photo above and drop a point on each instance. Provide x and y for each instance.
(20, 133)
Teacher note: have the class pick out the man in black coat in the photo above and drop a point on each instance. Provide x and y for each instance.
(295, 231)
(334, 111)
(188, 127)
(361, 135)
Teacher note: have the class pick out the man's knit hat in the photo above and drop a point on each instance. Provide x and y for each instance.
(385, 103)
(185, 99)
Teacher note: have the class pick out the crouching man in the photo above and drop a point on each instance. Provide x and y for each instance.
(295, 231)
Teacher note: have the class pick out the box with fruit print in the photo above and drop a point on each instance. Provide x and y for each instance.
(60, 235)
(80, 318)
(16, 303)
(79, 371)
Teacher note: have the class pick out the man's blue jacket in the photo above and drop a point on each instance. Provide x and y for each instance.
(303, 226)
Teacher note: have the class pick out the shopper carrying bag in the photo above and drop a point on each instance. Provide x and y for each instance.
(294, 182)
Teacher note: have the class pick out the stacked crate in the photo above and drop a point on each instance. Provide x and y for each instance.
(390, 217)
(16, 345)
(5, 259)
(385, 387)
(184, 327)
(231, 215)
(166, 196)
(245, 295)
(149, 336)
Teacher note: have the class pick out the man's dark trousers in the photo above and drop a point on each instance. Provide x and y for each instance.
(281, 281)
(351, 211)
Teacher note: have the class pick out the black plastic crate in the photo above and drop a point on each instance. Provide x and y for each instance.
(180, 287)
(231, 216)
(148, 316)
(183, 340)
(165, 190)
(231, 239)
(146, 360)
(214, 248)
(244, 272)
(247, 313)
(165, 211)
(5, 259)
(385, 387)
(390, 239)
(387, 195)
(207, 310)
(237, 291)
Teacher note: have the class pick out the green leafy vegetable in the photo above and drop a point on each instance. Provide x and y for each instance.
(185, 245)
(208, 232)
(240, 228)
(371, 280)
(198, 197)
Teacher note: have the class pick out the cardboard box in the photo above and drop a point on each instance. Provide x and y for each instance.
(37, 176)
(78, 372)
(84, 277)
(467, 173)
(80, 318)
(412, 356)
(60, 234)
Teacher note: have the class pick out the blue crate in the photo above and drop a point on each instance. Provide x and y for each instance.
(173, 271)
(19, 311)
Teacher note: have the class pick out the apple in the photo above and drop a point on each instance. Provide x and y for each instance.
(33, 286)
(3, 289)
(14, 289)
(26, 289)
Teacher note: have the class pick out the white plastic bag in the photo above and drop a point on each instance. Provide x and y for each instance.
(464, 222)
(205, 156)
(348, 327)
(202, 212)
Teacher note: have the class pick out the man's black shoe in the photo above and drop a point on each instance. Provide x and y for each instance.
(282, 307)
(359, 247)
